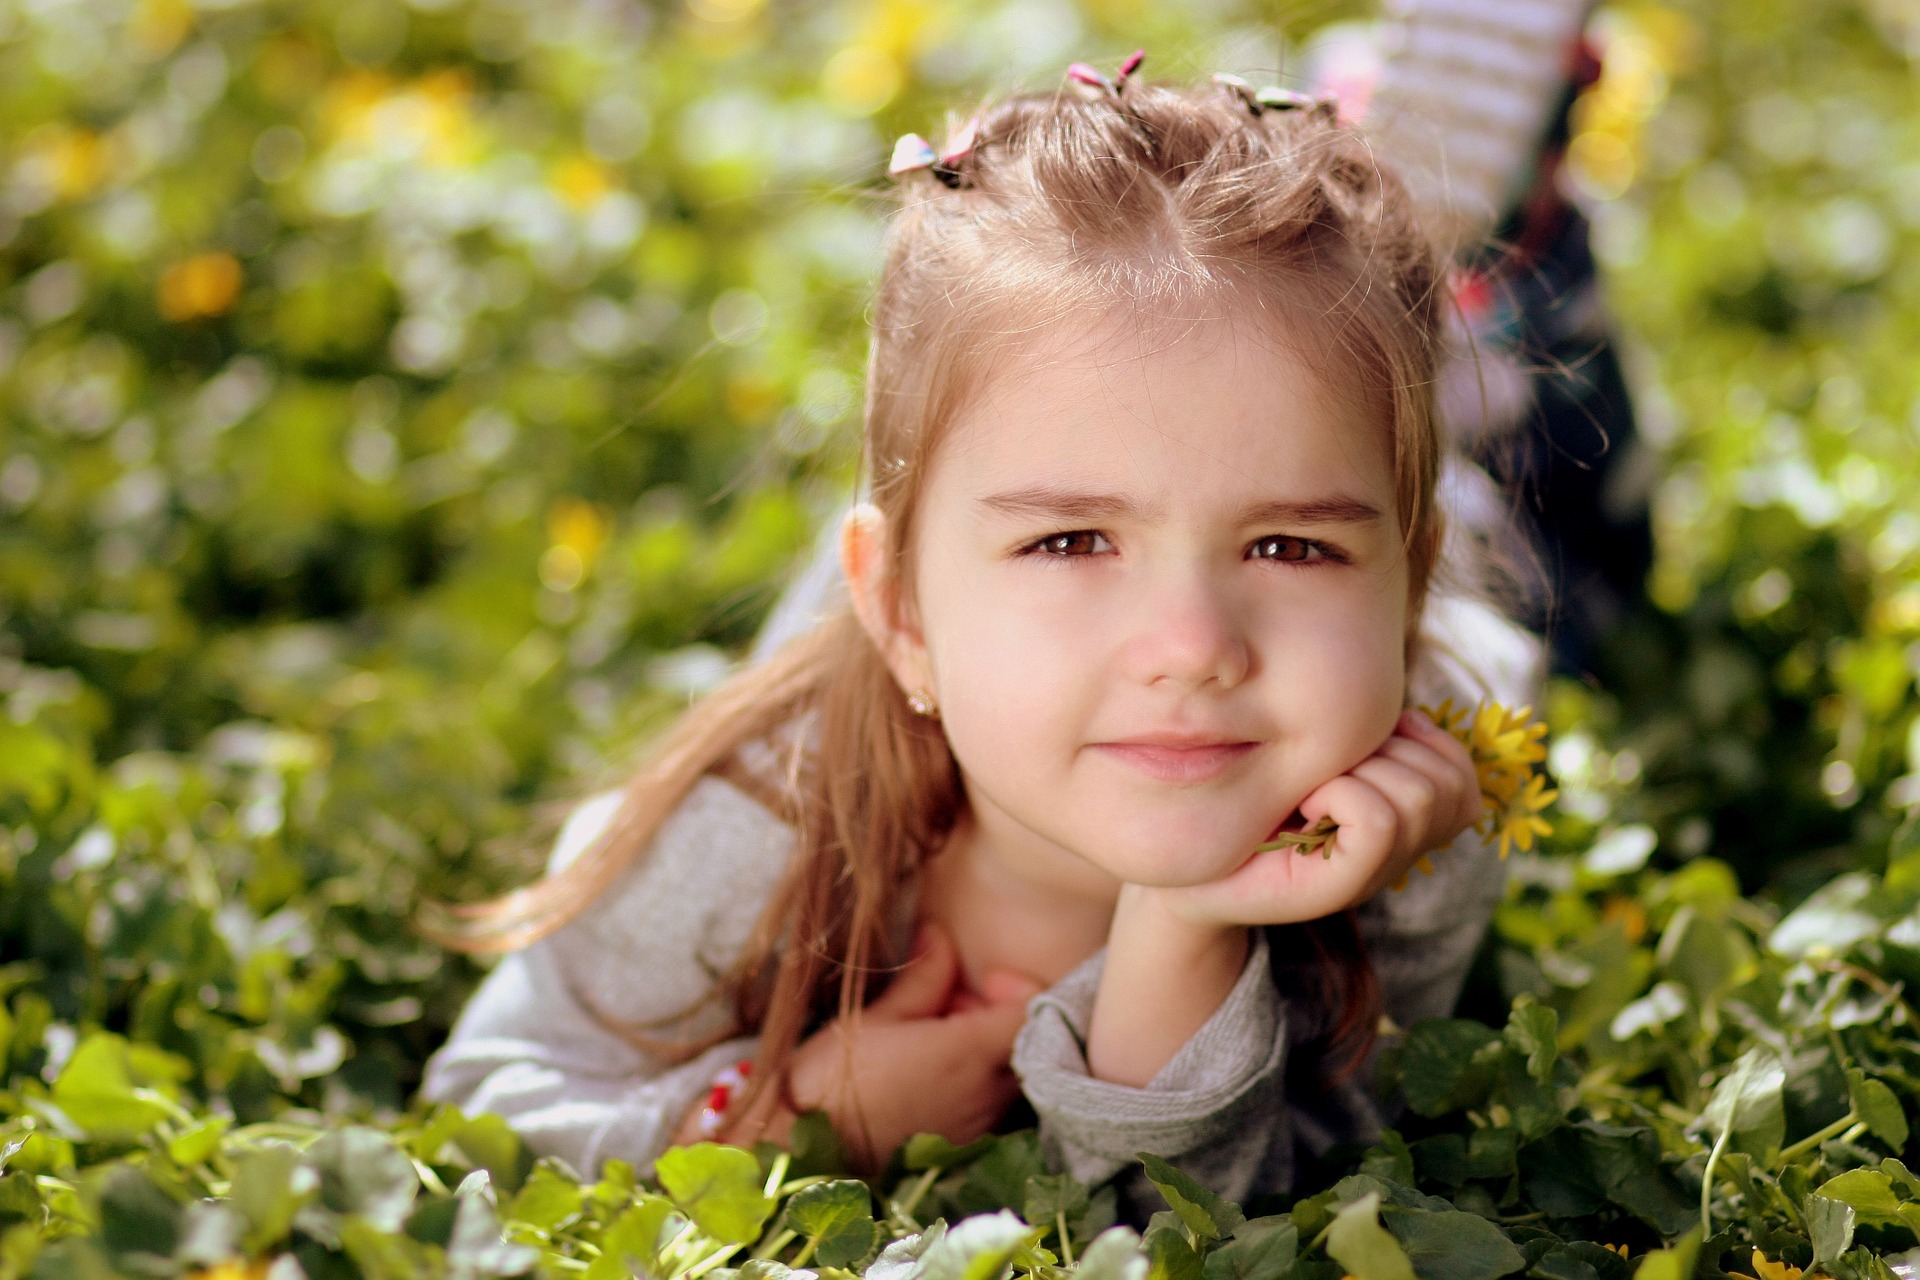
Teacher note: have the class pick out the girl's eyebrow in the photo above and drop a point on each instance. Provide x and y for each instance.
(1066, 504)
(1336, 508)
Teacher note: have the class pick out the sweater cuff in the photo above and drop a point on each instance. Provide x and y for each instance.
(1226, 1071)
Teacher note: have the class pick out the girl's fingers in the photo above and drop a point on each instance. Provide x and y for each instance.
(924, 987)
(1415, 798)
(1456, 785)
(1009, 986)
(1365, 817)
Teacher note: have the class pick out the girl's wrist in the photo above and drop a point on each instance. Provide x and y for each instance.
(1164, 976)
(1152, 916)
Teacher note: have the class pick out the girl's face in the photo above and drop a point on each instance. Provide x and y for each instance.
(1160, 594)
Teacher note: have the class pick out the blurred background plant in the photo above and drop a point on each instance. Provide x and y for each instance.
(405, 407)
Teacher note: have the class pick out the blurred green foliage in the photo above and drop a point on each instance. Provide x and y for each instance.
(405, 407)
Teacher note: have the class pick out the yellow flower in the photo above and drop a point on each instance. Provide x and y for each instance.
(1618, 1248)
(232, 1269)
(1507, 748)
(1519, 820)
(1767, 1269)
(198, 287)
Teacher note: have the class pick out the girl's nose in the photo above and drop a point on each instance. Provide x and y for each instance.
(1188, 634)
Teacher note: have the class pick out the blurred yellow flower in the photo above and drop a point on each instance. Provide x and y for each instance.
(1767, 1269)
(860, 79)
(581, 181)
(66, 161)
(231, 1269)
(156, 27)
(577, 530)
(431, 116)
(198, 287)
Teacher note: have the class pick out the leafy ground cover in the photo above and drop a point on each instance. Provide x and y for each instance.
(1682, 1087)
(404, 407)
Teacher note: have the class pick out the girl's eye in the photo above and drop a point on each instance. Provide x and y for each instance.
(1079, 542)
(1291, 550)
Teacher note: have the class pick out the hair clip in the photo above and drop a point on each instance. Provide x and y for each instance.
(1240, 89)
(1082, 73)
(1273, 98)
(1279, 99)
(913, 152)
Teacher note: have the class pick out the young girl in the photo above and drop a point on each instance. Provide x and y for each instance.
(1143, 580)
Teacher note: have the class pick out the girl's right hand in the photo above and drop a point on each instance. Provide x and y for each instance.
(928, 1056)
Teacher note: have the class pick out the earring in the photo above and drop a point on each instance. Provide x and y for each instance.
(923, 704)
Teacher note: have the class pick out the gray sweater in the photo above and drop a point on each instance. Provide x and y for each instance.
(537, 1043)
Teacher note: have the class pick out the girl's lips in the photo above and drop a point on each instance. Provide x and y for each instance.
(1200, 762)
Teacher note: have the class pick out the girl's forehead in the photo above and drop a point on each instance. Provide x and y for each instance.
(1213, 404)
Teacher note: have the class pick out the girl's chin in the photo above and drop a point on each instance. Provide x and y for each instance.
(1161, 869)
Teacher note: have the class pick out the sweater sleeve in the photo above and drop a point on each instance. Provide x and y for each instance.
(1215, 1109)
(553, 1041)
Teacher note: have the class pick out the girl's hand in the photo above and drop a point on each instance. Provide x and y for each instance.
(1416, 793)
(928, 1056)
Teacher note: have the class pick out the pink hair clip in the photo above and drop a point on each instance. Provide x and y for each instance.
(1082, 73)
(913, 152)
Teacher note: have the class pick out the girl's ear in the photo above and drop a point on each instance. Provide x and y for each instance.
(874, 590)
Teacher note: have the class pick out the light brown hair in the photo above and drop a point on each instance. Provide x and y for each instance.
(1152, 198)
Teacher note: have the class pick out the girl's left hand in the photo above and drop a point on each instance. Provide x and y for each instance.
(1416, 793)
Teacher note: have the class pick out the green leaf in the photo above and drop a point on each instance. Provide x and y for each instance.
(487, 1142)
(902, 1260)
(1053, 1198)
(477, 1248)
(1579, 1260)
(719, 1187)
(998, 1178)
(1442, 1158)
(546, 1200)
(1206, 1216)
(1368, 1251)
(139, 1218)
(1391, 1161)
(1451, 1245)
(1442, 1066)
(1169, 1255)
(925, 1151)
(1878, 1106)
(96, 1090)
(1870, 1193)
(815, 1146)
(1114, 1254)
(1830, 1223)
(980, 1248)
(1533, 1031)
(632, 1244)
(1673, 1263)
(1491, 1153)
(1575, 1169)
(838, 1217)
(1261, 1249)
(1748, 1104)
(1829, 922)
(270, 1186)
(364, 1174)
(196, 1143)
